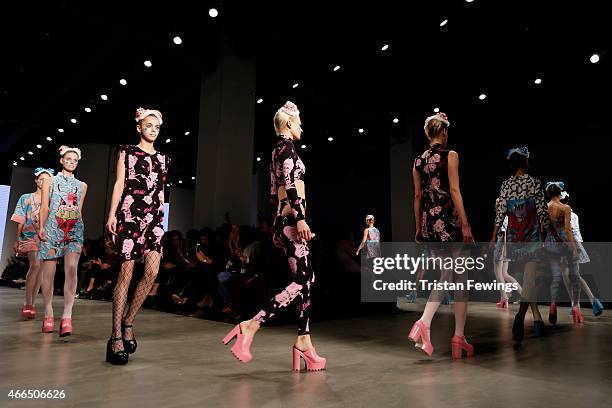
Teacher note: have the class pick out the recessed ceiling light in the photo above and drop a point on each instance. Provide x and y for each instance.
(123, 82)
(177, 40)
(213, 12)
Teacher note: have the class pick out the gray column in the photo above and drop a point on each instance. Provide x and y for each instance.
(181, 210)
(97, 168)
(224, 180)
(402, 153)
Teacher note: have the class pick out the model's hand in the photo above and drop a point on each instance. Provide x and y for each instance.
(16, 247)
(417, 235)
(304, 230)
(466, 231)
(41, 234)
(111, 224)
(357, 253)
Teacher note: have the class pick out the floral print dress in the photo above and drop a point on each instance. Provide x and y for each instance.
(140, 213)
(27, 212)
(64, 227)
(439, 218)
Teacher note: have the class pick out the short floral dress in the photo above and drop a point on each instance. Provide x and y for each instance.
(64, 227)
(140, 213)
(27, 212)
(439, 218)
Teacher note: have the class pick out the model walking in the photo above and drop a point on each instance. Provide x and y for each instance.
(61, 234)
(292, 234)
(136, 220)
(440, 217)
(26, 216)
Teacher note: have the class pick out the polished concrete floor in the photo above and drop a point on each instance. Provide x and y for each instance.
(181, 362)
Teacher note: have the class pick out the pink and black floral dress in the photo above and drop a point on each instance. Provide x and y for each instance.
(439, 218)
(140, 213)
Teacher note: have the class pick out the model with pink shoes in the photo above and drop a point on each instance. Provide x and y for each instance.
(61, 235)
(26, 216)
(440, 217)
(136, 218)
(292, 233)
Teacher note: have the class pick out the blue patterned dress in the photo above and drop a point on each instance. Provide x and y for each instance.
(64, 226)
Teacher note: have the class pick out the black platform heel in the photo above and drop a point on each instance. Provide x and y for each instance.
(116, 357)
(129, 345)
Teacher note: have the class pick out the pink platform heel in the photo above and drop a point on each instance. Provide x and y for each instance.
(419, 334)
(32, 312)
(312, 360)
(577, 315)
(25, 311)
(47, 326)
(65, 327)
(458, 344)
(242, 347)
(503, 304)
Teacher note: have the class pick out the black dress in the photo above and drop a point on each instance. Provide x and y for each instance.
(140, 214)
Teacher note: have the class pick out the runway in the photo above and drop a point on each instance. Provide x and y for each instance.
(181, 362)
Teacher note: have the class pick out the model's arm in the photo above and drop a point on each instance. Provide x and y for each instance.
(363, 241)
(19, 216)
(418, 196)
(44, 208)
(83, 198)
(453, 179)
(111, 224)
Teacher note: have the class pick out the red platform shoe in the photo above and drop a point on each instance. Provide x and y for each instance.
(65, 327)
(458, 344)
(47, 326)
(420, 335)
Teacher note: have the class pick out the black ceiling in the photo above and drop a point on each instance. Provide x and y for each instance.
(57, 58)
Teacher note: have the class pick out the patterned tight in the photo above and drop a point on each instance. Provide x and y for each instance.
(151, 267)
(33, 278)
(297, 252)
(47, 270)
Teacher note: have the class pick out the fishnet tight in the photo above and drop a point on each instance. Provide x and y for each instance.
(151, 267)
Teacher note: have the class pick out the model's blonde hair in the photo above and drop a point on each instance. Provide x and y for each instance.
(287, 112)
(280, 121)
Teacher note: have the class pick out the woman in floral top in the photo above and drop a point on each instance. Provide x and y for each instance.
(26, 216)
(440, 217)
